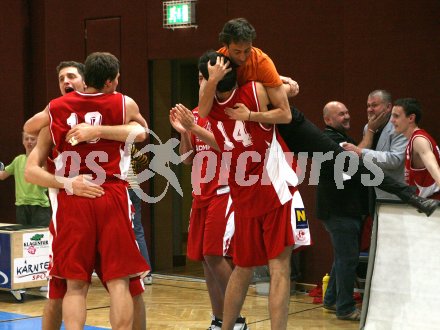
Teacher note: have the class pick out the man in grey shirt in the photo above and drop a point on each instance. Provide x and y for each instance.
(383, 145)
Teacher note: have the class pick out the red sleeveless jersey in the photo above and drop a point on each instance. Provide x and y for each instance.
(420, 177)
(259, 174)
(103, 159)
(206, 168)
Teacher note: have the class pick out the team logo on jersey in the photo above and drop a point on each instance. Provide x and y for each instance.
(300, 236)
(301, 218)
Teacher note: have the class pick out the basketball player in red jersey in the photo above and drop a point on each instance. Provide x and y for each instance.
(71, 78)
(263, 191)
(422, 163)
(102, 217)
(212, 219)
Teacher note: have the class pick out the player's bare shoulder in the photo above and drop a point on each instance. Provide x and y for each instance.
(131, 107)
(129, 102)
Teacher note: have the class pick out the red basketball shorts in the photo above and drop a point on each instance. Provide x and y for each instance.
(88, 227)
(211, 229)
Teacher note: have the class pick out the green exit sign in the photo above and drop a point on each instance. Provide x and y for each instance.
(179, 14)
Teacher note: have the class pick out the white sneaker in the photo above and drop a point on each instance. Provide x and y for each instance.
(216, 324)
(240, 324)
(148, 280)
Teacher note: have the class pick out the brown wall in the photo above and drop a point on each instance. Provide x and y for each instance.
(15, 59)
(336, 50)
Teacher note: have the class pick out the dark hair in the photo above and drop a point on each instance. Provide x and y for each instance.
(410, 106)
(229, 80)
(68, 64)
(100, 67)
(237, 30)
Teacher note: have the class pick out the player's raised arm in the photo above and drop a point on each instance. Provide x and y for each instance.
(208, 87)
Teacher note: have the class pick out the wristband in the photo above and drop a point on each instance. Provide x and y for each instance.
(374, 132)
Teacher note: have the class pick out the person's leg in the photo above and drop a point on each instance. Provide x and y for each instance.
(295, 273)
(139, 314)
(216, 296)
(136, 289)
(345, 233)
(52, 314)
(216, 235)
(217, 273)
(235, 295)
(121, 304)
(53, 309)
(137, 225)
(74, 304)
(21, 214)
(41, 215)
(279, 293)
(330, 293)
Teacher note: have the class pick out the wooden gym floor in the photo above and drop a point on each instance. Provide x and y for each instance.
(172, 302)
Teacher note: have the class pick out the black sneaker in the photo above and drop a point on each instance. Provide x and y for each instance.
(423, 205)
(216, 324)
(240, 324)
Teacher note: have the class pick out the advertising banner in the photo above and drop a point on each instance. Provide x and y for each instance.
(30, 269)
(5, 261)
(36, 244)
